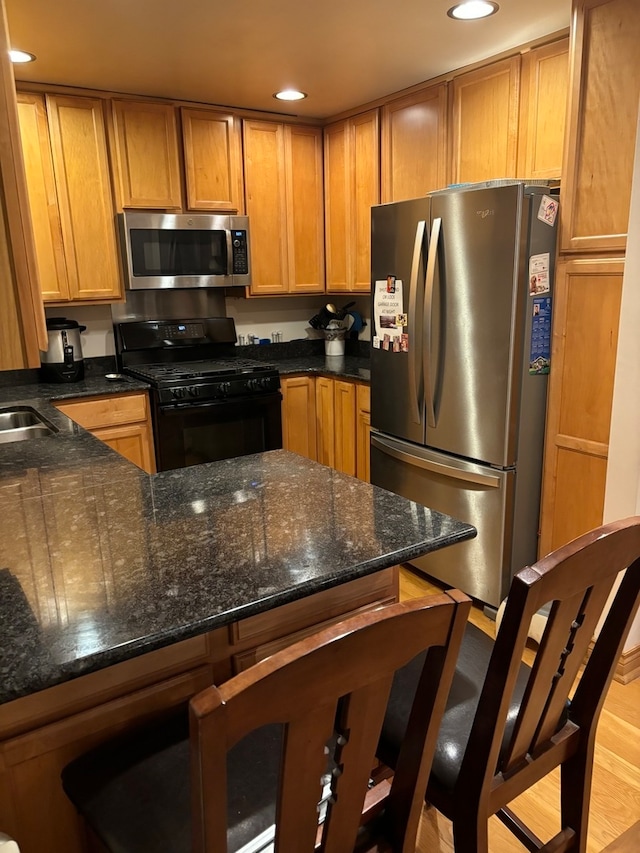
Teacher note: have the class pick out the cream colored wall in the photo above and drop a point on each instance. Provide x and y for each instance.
(622, 495)
(289, 315)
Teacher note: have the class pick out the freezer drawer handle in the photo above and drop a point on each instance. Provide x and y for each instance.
(428, 315)
(414, 360)
(436, 467)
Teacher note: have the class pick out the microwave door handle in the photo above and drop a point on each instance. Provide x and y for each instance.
(229, 252)
(428, 315)
(414, 358)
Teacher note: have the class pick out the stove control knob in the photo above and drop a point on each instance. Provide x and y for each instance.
(193, 391)
(177, 393)
(225, 387)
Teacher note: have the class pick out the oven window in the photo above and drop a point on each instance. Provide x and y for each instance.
(209, 433)
(156, 251)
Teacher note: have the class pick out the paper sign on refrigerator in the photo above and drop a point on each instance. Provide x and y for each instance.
(389, 317)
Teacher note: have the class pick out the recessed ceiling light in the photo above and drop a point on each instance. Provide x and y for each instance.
(21, 56)
(471, 10)
(290, 95)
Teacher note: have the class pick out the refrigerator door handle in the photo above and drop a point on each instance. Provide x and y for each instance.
(428, 314)
(435, 467)
(414, 360)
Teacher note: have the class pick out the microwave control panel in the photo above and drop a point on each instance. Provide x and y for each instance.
(240, 258)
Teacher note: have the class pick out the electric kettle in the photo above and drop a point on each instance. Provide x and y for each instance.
(63, 362)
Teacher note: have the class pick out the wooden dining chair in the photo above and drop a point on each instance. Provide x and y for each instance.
(506, 725)
(263, 745)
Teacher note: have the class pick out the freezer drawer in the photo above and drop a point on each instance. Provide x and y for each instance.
(467, 491)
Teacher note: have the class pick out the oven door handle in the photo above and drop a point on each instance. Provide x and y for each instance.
(260, 400)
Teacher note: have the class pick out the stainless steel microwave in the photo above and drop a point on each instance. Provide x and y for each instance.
(167, 250)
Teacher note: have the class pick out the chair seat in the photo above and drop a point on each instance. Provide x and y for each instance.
(135, 792)
(471, 669)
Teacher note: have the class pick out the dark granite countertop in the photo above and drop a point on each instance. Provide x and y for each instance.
(103, 562)
(307, 356)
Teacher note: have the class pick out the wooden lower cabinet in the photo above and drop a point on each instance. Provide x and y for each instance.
(122, 421)
(299, 415)
(363, 431)
(585, 338)
(41, 733)
(344, 426)
(327, 420)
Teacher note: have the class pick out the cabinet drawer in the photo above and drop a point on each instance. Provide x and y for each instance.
(248, 658)
(314, 610)
(92, 412)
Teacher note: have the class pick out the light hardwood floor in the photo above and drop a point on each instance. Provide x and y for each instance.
(614, 822)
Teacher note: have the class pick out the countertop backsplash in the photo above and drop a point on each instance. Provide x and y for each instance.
(288, 316)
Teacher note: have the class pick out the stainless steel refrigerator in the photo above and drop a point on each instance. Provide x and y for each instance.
(461, 324)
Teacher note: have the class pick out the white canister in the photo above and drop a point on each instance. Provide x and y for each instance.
(334, 347)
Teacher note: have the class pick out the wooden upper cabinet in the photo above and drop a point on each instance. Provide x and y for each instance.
(543, 105)
(43, 201)
(80, 163)
(283, 189)
(305, 200)
(212, 159)
(147, 167)
(413, 147)
(484, 122)
(22, 326)
(266, 205)
(352, 186)
(602, 122)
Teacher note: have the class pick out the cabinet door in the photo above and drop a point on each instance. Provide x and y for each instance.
(304, 209)
(363, 430)
(352, 186)
(133, 441)
(146, 155)
(299, 415)
(544, 87)
(602, 123)
(81, 170)
(43, 203)
(345, 426)
(413, 149)
(325, 420)
(585, 336)
(22, 328)
(365, 193)
(485, 122)
(212, 159)
(337, 176)
(266, 205)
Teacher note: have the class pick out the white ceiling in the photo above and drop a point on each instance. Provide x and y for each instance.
(343, 53)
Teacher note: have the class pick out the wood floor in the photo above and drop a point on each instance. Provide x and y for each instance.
(614, 822)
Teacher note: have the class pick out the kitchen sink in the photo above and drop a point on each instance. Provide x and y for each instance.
(22, 423)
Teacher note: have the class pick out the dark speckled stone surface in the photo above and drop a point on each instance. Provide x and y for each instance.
(100, 562)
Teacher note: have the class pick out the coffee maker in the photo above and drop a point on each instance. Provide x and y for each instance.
(63, 362)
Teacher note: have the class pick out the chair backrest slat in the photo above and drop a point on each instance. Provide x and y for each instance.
(359, 722)
(305, 738)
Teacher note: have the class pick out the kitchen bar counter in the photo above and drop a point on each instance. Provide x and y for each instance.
(101, 562)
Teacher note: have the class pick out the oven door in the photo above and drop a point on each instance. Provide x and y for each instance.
(190, 434)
